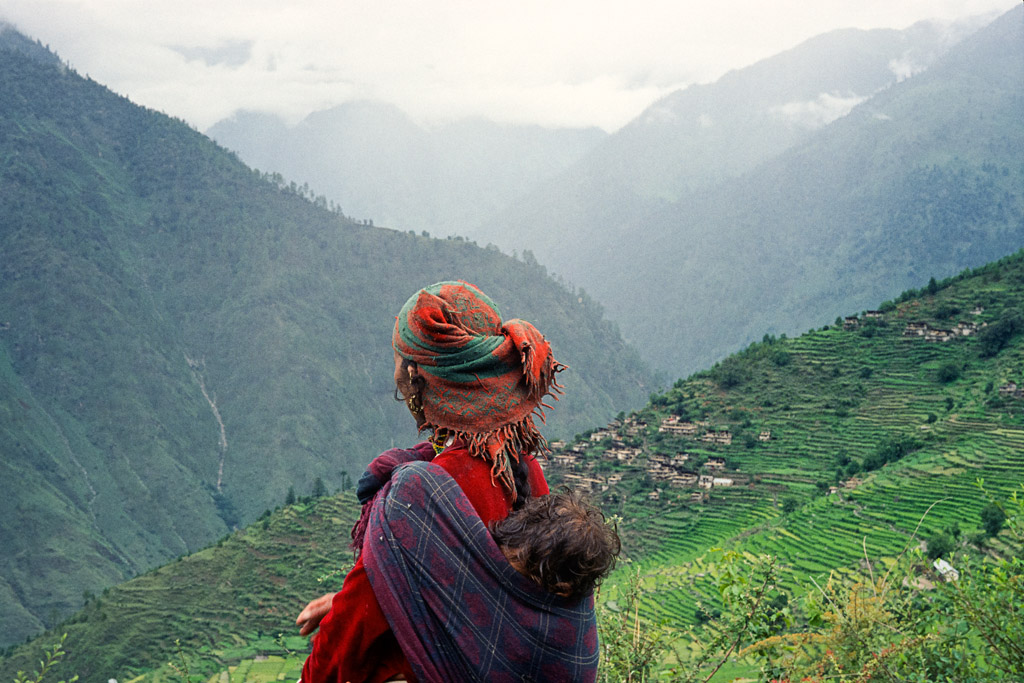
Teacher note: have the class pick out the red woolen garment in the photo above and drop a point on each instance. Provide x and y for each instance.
(355, 643)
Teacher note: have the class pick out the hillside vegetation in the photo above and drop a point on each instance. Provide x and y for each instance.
(896, 423)
(236, 599)
(841, 441)
(922, 179)
(183, 340)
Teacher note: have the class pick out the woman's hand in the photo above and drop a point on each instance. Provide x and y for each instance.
(310, 617)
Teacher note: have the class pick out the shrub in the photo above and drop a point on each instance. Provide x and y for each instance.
(993, 338)
(939, 545)
(631, 649)
(949, 373)
(992, 519)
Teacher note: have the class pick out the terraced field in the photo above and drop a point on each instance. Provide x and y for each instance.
(232, 601)
(834, 399)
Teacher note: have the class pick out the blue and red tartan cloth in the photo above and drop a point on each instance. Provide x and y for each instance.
(456, 606)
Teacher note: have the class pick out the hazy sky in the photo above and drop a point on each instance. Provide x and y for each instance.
(568, 62)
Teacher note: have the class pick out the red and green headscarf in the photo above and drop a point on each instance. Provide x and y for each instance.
(485, 379)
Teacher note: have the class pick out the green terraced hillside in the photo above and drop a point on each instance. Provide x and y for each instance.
(811, 421)
(235, 600)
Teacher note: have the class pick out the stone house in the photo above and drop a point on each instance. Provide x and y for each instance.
(722, 437)
(672, 425)
(915, 329)
(1011, 390)
(937, 335)
(683, 479)
(564, 459)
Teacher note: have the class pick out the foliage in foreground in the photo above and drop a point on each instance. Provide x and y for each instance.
(899, 626)
(50, 659)
(900, 621)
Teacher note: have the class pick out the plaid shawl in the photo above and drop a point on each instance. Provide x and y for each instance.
(457, 607)
(377, 473)
(484, 379)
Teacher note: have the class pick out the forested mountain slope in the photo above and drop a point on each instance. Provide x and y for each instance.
(183, 340)
(894, 417)
(925, 178)
(695, 138)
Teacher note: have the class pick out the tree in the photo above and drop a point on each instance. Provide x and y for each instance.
(948, 373)
(993, 338)
(992, 519)
(319, 488)
(933, 286)
(940, 544)
(290, 498)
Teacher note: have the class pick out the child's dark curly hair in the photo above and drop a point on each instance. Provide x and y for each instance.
(561, 541)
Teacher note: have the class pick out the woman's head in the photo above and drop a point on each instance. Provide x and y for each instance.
(482, 379)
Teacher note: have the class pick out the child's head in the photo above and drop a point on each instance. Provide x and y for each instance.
(561, 541)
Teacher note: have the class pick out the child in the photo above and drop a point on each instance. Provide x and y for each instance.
(560, 541)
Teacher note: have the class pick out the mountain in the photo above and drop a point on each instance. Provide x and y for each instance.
(924, 178)
(821, 449)
(183, 340)
(374, 161)
(11, 39)
(697, 137)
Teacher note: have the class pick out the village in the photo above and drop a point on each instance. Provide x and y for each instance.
(679, 470)
(600, 461)
(920, 329)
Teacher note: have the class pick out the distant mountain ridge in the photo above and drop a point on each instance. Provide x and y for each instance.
(12, 39)
(922, 179)
(375, 162)
(697, 137)
(183, 340)
(672, 207)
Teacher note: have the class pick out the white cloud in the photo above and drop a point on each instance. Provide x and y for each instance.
(905, 67)
(821, 111)
(574, 62)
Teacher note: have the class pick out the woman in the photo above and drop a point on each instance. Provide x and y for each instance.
(475, 383)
